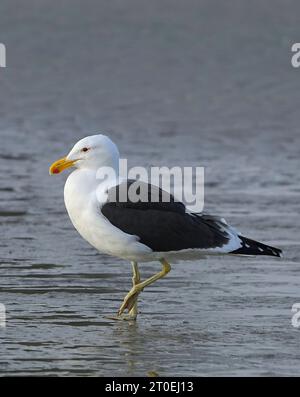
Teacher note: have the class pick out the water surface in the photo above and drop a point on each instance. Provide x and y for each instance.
(173, 83)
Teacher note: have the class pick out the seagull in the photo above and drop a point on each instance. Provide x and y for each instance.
(164, 230)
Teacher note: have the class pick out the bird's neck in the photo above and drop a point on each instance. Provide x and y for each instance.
(85, 184)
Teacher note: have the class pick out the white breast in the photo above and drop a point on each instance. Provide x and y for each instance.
(84, 198)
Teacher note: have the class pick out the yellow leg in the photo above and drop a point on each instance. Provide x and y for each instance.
(136, 278)
(131, 297)
(132, 315)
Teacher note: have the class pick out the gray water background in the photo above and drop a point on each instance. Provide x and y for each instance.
(206, 83)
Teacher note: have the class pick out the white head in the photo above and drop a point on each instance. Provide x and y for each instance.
(91, 152)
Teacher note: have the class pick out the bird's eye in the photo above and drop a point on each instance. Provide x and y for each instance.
(85, 149)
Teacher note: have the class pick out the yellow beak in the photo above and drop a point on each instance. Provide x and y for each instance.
(61, 165)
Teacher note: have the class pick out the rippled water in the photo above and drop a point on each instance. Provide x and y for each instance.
(206, 83)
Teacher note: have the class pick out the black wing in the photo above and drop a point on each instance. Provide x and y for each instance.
(252, 247)
(159, 220)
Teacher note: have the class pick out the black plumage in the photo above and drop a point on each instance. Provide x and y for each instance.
(161, 225)
(252, 247)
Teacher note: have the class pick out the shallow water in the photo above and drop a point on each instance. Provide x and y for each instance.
(173, 83)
